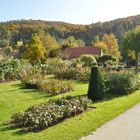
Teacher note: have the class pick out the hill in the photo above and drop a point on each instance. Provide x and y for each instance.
(13, 31)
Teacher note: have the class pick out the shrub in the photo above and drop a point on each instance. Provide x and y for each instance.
(55, 64)
(105, 58)
(95, 91)
(69, 70)
(121, 82)
(31, 75)
(56, 86)
(10, 69)
(72, 73)
(47, 114)
(88, 60)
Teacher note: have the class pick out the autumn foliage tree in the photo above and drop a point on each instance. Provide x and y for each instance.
(34, 50)
(102, 45)
(131, 42)
(112, 44)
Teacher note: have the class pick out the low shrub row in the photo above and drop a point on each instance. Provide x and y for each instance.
(51, 86)
(121, 82)
(74, 73)
(70, 70)
(47, 114)
(56, 86)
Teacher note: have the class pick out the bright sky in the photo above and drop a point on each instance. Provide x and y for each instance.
(71, 11)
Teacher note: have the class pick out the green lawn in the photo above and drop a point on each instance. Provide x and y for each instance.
(13, 99)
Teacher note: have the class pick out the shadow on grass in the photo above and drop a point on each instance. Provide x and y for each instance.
(17, 131)
(21, 132)
(109, 96)
(23, 89)
(7, 127)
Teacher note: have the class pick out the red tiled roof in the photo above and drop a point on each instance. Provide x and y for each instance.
(76, 52)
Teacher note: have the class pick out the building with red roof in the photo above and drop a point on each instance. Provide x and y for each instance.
(71, 53)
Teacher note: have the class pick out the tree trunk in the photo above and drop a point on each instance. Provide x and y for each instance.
(137, 61)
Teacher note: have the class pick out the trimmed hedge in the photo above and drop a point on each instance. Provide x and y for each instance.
(95, 91)
(47, 114)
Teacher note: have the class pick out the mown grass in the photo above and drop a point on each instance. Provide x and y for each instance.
(13, 99)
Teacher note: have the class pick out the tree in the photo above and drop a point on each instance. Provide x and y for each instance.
(95, 91)
(95, 40)
(5, 37)
(80, 43)
(51, 45)
(131, 42)
(70, 42)
(8, 51)
(112, 44)
(102, 45)
(34, 51)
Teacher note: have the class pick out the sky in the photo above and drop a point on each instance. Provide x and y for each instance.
(70, 11)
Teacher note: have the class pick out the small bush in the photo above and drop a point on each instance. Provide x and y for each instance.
(75, 71)
(10, 69)
(105, 58)
(72, 73)
(95, 91)
(52, 66)
(121, 83)
(88, 60)
(69, 70)
(31, 75)
(56, 86)
(47, 114)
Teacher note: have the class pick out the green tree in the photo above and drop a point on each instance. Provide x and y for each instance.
(70, 42)
(8, 51)
(5, 37)
(34, 50)
(131, 42)
(95, 40)
(80, 43)
(51, 45)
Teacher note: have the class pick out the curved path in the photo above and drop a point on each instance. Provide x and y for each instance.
(124, 127)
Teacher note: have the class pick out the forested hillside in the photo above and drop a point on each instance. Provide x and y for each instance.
(14, 34)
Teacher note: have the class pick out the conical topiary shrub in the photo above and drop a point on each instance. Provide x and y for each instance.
(95, 91)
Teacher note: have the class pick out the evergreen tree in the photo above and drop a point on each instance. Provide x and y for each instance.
(95, 91)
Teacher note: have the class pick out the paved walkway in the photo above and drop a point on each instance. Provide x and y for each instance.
(124, 127)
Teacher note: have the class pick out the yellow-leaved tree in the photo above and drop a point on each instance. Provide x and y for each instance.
(102, 45)
(34, 50)
(112, 44)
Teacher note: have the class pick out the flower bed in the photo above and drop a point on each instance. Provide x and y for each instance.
(47, 114)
